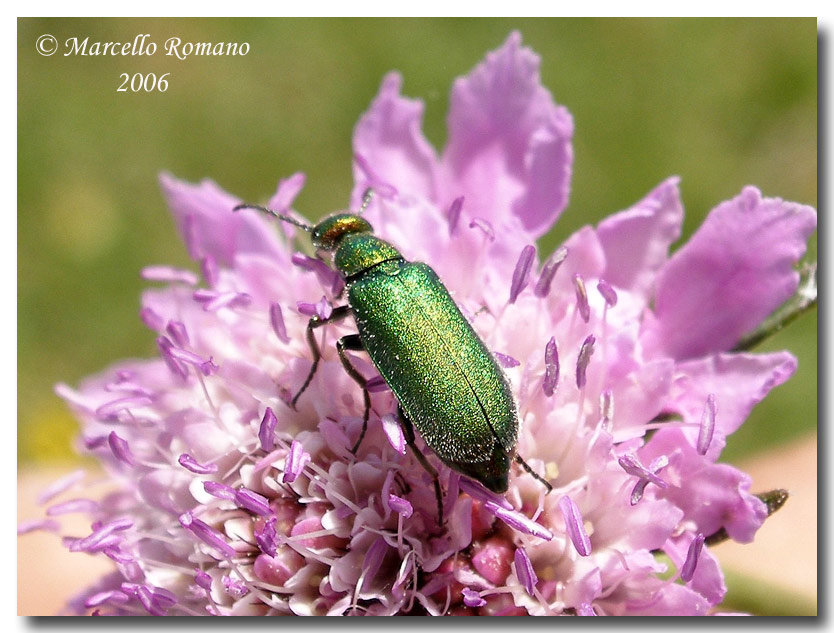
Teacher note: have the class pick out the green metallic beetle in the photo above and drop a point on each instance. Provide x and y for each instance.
(447, 382)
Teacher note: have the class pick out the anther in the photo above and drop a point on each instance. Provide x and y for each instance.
(581, 298)
(555, 260)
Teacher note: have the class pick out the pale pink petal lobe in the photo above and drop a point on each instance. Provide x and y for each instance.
(636, 241)
(734, 271)
(389, 139)
(204, 216)
(737, 381)
(509, 144)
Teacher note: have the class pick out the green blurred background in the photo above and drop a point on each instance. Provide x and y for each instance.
(720, 102)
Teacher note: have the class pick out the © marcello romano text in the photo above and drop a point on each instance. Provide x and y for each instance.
(143, 45)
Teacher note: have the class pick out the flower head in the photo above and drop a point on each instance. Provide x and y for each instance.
(230, 501)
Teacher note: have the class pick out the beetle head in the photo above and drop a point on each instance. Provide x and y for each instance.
(328, 233)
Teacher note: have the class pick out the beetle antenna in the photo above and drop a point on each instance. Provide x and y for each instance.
(285, 218)
(366, 199)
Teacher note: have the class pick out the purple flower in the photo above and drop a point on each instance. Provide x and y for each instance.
(229, 501)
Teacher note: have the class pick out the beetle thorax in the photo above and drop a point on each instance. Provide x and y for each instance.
(358, 252)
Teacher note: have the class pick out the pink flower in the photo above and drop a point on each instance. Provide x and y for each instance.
(230, 502)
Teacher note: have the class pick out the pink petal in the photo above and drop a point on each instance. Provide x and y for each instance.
(738, 382)
(674, 600)
(509, 143)
(636, 241)
(713, 495)
(287, 191)
(735, 271)
(388, 137)
(205, 219)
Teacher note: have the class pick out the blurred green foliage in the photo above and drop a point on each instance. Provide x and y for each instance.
(721, 102)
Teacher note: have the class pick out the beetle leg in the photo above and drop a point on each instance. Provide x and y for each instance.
(408, 432)
(354, 343)
(315, 322)
(526, 467)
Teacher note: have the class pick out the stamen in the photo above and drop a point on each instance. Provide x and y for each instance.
(64, 483)
(120, 448)
(551, 368)
(632, 466)
(33, 525)
(386, 487)
(252, 501)
(454, 214)
(183, 355)
(151, 319)
(127, 386)
(169, 274)
(707, 425)
(155, 599)
(204, 295)
(176, 330)
(228, 300)
(208, 266)
(518, 521)
(324, 309)
(235, 588)
(266, 432)
(72, 506)
(219, 490)
(115, 554)
(581, 297)
(524, 571)
(549, 269)
(394, 432)
(113, 595)
(189, 463)
(296, 459)
(267, 537)
(608, 293)
(506, 361)
(165, 346)
(691, 562)
(208, 368)
(276, 319)
(92, 443)
(111, 410)
(575, 526)
(100, 534)
(522, 271)
(485, 226)
(321, 309)
(206, 533)
(475, 490)
(585, 353)
(401, 506)
(202, 579)
(108, 542)
(656, 465)
(472, 598)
